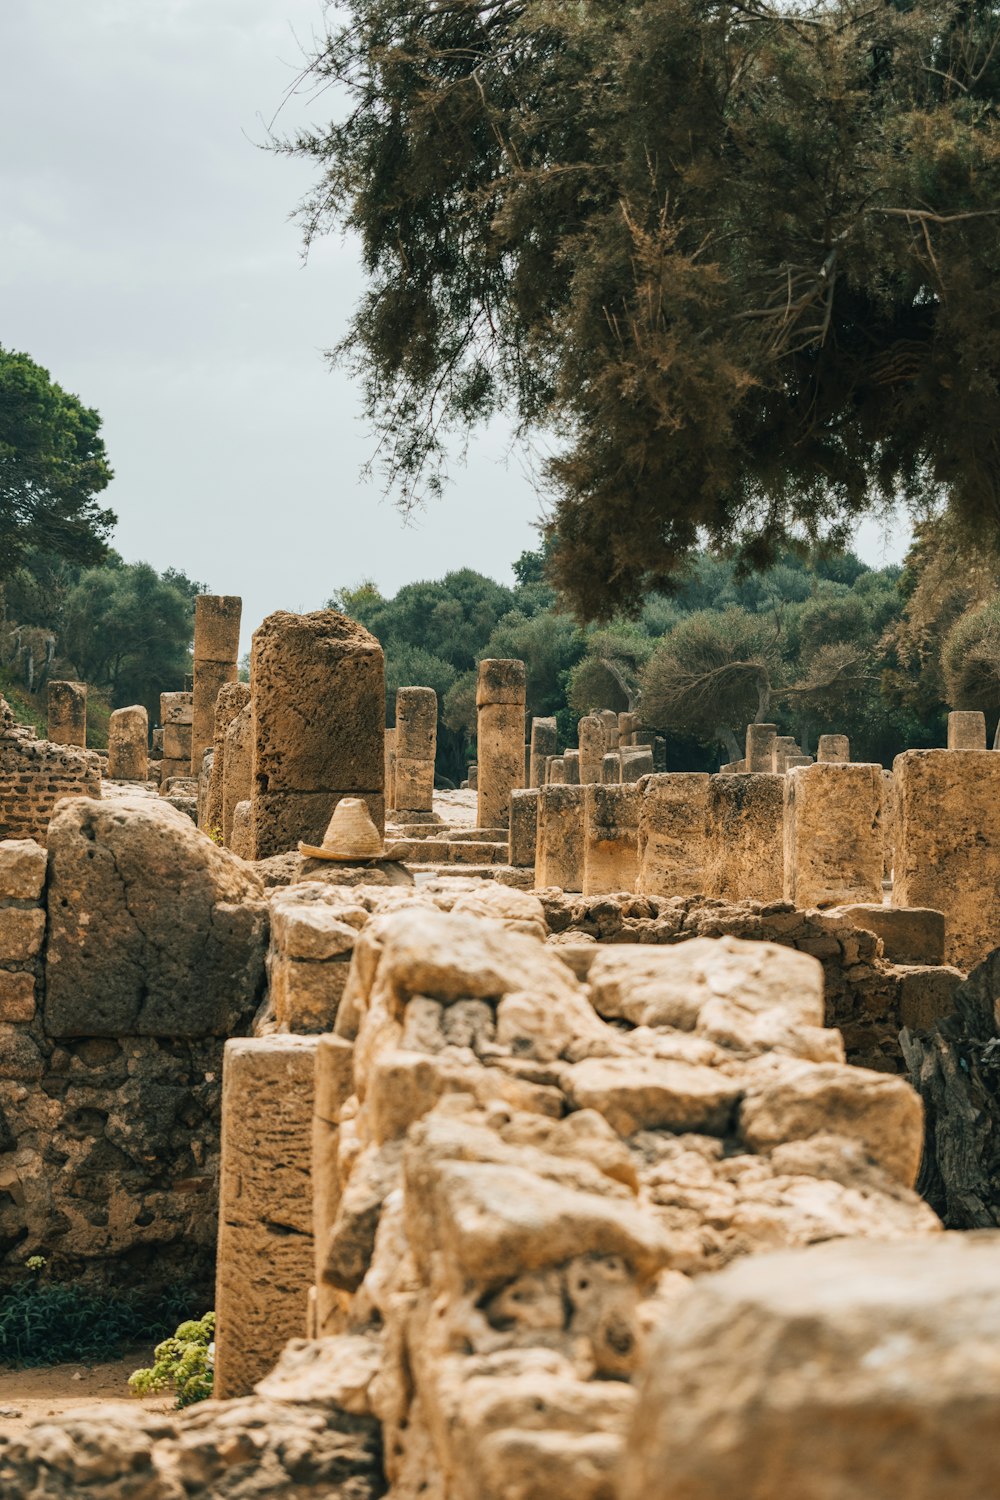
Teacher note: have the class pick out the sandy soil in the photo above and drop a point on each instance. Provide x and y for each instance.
(28, 1396)
(456, 807)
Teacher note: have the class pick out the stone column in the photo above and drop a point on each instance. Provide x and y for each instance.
(611, 838)
(673, 834)
(67, 703)
(128, 744)
(834, 747)
(265, 1256)
(176, 716)
(216, 649)
(571, 767)
(746, 846)
(473, 776)
(609, 719)
(334, 1086)
(390, 768)
(947, 853)
(416, 748)
(559, 849)
(555, 771)
(833, 834)
(611, 768)
(591, 740)
(791, 761)
(782, 746)
(237, 769)
(966, 731)
(233, 699)
(500, 696)
(637, 762)
(543, 744)
(317, 691)
(523, 826)
(760, 738)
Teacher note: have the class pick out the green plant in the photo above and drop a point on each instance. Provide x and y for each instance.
(182, 1363)
(48, 1323)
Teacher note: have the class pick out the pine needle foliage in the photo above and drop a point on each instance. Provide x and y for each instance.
(742, 257)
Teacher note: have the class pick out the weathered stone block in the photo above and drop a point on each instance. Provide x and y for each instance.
(128, 744)
(759, 746)
(22, 869)
(746, 841)
(591, 739)
(67, 713)
(544, 743)
(22, 932)
(673, 834)
(833, 834)
(559, 856)
(967, 731)
(523, 826)
(833, 747)
(500, 700)
(910, 935)
(307, 995)
(611, 838)
(17, 996)
(176, 708)
(927, 995)
(153, 930)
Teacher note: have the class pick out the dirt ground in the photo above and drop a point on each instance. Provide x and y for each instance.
(28, 1396)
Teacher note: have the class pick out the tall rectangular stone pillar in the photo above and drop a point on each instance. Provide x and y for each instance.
(334, 1085)
(834, 747)
(636, 762)
(390, 768)
(128, 744)
(673, 834)
(966, 731)
(591, 741)
(559, 851)
(544, 743)
(233, 698)
(611, 838)
(216, 649)
(317, 693)
(628, 725)
(609, 719)
(523, 827)
(746, 845)
(571, 767)
(416, 748)
(759, 746)
(947, 853)
(500, 699)
(176, 719)
(67, 716)
(611, 767)
(833, 834)
(265, 1259)
(237, 769)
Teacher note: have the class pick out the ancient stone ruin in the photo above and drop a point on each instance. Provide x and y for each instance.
(555, 1142)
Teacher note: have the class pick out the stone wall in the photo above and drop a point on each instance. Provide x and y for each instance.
(34, 774)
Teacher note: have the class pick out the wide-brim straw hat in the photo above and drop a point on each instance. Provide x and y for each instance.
(350, 835)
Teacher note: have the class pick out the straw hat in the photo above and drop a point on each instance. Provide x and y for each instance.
(351, 836)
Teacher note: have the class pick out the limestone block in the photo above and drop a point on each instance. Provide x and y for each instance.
(591, 741)
(17, 996)
(571, 767)
(559, 857)
(899, 1394)
(782, 746)
(318, 702)
(416, 747)
(636, 763)
(307, 922)
(543, 744)
(390, 767)
(523, 826)
(176, 708)
(233, 699)
(128, 744)
(217, 627)
(414, 784)
(306, 996)
(797, 1099)
(888, 824)
(926, 994)
(177, 745)
(611, 838)
(555, 774)
(67, 713)
(609, 719)
(651, 1093)
(22, 869)
(500, 698)
(156, 749)
(759, 742)
(948, 845)
(833, 747)
(241, 833)
(673, 834)
(793, 761)
(833, 834)
(473, 777)
(967, 731)
(628, 725)
(153, 930)
(210, 677)
(237, 768)
(746, 848)
(611, 768)
(22, 931)
(910, 935)
(265, 1256)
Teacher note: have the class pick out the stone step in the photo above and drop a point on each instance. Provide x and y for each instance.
(446, 851)
(522, 880)
(478, 835)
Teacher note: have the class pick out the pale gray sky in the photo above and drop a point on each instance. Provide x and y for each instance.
(147, 260)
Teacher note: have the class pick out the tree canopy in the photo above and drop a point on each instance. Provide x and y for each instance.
(52, 468)
(742, 257)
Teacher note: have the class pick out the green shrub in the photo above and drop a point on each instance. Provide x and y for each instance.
(182, 1364)
(50, 1323)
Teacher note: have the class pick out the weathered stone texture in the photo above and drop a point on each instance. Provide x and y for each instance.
(237, 768)
(543, 744)
(948, 845)
(176, 720)
(415, 748)
(611, 838)
(673, 833)
(265, 1264)
(746, 842)
(899, 1393)
(967, 731)
(67, 713)
(216, 649)
(153, 930)
(760, 740)
(128, 744)
(523, 825)
(34, 774)
(233, 698)
(591, 740)
(500, 700)
(559, 857)
(833, 747)
(833, 834)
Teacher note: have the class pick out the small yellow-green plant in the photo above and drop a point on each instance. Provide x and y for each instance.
(182, 1364)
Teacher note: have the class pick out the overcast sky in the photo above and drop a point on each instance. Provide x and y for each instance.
(147, 260)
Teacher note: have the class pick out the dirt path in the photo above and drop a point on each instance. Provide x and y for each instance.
(28, 1396)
